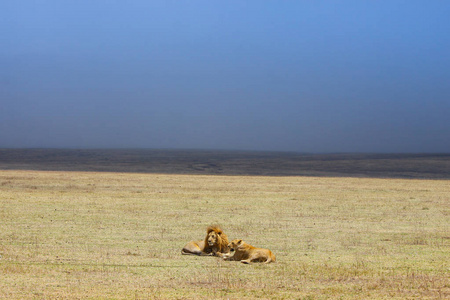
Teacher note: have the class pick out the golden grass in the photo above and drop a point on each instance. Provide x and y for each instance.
(114, 235)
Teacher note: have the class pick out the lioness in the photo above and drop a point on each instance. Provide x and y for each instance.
(247, 253)
(215, 242)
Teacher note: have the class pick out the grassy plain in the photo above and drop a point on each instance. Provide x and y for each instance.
(119, 235)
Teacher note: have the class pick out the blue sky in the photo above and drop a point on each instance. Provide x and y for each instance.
(304, 76)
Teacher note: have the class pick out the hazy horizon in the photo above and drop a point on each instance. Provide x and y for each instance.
(212, 150)
(291, 76)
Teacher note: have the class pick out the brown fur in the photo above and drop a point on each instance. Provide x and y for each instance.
(215, 242)
(246, 253)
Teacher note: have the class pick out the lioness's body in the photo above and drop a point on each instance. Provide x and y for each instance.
(246, 253)
(215, 242)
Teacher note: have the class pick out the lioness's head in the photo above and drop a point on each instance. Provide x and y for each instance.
(234, 245)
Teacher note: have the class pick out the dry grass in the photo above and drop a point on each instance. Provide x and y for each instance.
(112, 235)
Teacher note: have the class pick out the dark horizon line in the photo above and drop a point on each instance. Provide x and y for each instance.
(438, 153)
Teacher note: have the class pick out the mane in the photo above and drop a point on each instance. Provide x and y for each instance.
(223, 239)
(215, 228)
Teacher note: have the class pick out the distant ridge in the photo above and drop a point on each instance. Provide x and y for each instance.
(211, 162)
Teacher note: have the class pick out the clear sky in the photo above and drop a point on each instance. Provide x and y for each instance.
(304, 76)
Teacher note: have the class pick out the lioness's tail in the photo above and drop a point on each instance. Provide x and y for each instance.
(271, 258)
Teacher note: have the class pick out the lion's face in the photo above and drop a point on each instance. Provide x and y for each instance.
(234, 245)
(213, 238)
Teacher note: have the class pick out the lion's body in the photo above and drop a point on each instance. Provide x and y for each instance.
(215, 242)
(246, 253)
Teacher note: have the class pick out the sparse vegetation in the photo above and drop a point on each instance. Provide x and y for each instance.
(114, 235)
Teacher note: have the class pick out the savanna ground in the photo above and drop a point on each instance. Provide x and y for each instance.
(119, 235)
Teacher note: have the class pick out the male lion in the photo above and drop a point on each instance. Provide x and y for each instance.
(216, 241)
(247, 253)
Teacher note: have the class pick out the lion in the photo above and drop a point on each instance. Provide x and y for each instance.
(246, 253)
(215, 242)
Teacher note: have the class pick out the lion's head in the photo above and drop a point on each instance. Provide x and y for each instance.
(216, 239)
(213, 238)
